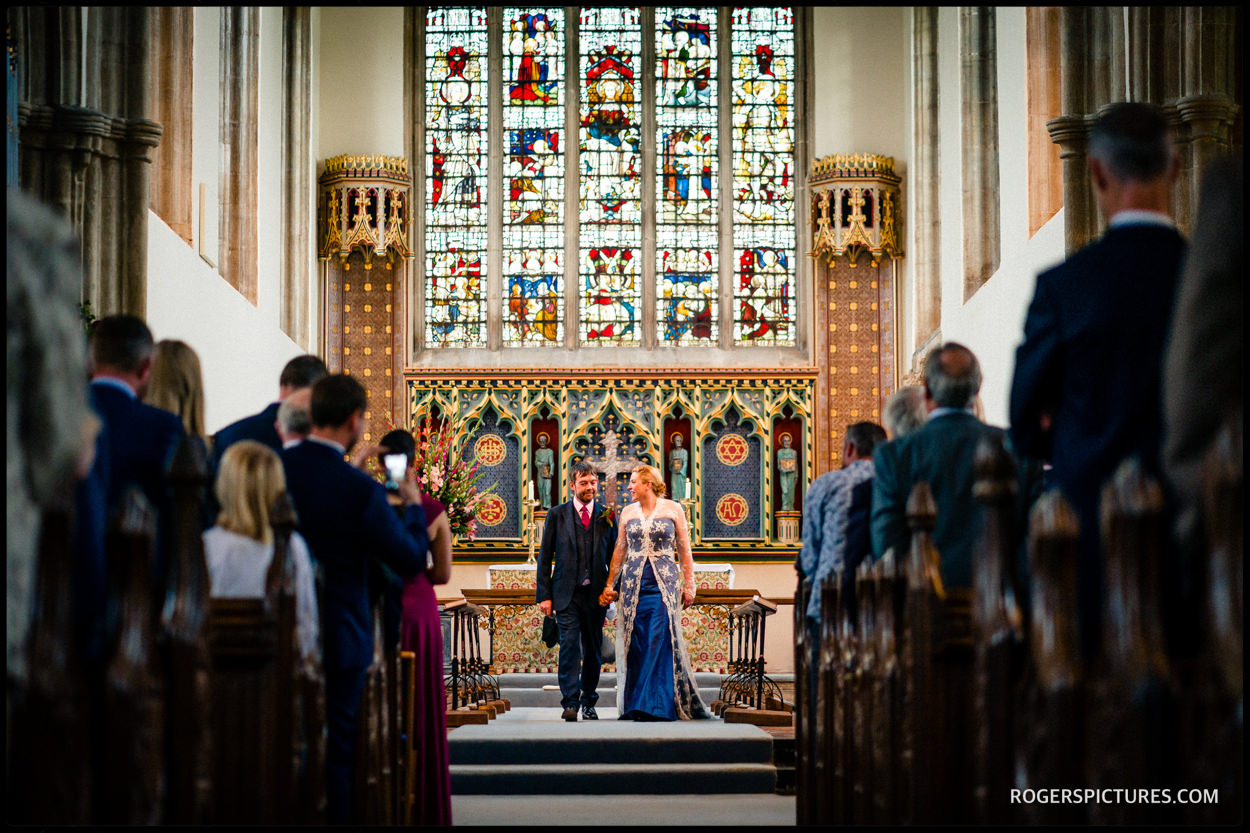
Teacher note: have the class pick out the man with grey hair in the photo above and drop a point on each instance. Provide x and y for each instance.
(904, 412)
(294, 422)
(941, 454)
(1086, 393)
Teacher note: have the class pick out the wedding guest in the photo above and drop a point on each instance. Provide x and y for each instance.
(656, 570)
(421, 632)
(294, 422)
(177, 386)
(299, 373)
(904, 412)
(239, 548)
(346, 520)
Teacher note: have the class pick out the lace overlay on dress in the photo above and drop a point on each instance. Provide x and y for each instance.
(663, 541)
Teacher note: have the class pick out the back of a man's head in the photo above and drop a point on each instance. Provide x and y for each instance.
(334, 399)
(293, 417)
(952, 376)
(302, 372)
(864, 437)
(904, 411)
(1132, 141)
(120, 343)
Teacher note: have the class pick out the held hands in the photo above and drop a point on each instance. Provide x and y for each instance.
(545, 607)
(687, 598)
(607, 597)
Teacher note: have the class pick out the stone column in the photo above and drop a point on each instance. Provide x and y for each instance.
(925, 193)
(297, 216)
(240, 64)
(1070, 131)
(171, 52)
(978, 82)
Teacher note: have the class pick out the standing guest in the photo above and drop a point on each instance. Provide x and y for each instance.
(904, 412)
(346, 520)
(299, 373)
(239, 549)
(176, 385)
(294, 423)
(1086, 393)
(941, 454)
(656, 569)
(572, 572)
(831, 542)
(141, 438)
(421, 632)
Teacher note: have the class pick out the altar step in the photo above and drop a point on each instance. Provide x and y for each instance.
(542, 690)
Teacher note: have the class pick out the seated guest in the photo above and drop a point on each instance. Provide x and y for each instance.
(294, 422)
(239, 549)
(941, 454)
(299, 373)
(176, 385)
(346, 520)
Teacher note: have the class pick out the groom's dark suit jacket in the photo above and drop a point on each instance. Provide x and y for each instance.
(557, 558)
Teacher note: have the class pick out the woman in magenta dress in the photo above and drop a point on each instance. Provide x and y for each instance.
(421, 632)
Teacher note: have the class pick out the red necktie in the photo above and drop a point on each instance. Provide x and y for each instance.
(585, 517)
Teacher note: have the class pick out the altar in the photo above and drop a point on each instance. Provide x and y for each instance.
(517, 639)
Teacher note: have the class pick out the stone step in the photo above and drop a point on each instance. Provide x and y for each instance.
(609, 742)
(550, 697)
(609, 779)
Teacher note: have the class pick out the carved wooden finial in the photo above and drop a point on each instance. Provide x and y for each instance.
(995, 470)
(189, 463)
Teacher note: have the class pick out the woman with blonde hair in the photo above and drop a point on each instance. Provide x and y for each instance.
(239, 549)
(656, 570)
(177, 385)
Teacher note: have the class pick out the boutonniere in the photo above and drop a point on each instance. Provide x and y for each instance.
(608, 515)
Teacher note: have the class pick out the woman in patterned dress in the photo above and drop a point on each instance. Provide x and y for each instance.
(656, 570)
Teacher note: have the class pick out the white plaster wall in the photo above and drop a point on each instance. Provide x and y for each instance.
(860, 67)
(991, 323)
(241, 351)
(241, 347)
(360, 96)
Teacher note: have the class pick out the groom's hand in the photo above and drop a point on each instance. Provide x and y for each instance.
(607, 597)
(545, 607)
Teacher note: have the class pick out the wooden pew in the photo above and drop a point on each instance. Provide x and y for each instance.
(184, 644)
(804, 725)
(268, 704)
(49, 779)
(129, 782)
(998, 631)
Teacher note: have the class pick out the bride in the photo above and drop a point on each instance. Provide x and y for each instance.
(656, 570)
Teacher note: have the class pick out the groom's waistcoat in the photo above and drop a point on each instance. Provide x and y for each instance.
(585, 543)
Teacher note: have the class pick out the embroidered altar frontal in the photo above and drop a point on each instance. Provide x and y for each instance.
(731, 445)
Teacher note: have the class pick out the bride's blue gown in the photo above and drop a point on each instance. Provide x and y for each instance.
(658, 681)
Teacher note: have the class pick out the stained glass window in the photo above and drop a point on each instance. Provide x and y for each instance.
(455, 176)
(515, 67)
(533, 125)
(610, 158)
(686, 232)
(763, 174)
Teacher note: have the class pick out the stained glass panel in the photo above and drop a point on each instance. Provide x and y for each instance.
(686, 189)
(456, 176)
(763, 174)
(533, 113)
(610, 234)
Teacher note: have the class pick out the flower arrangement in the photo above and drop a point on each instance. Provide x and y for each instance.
(443, 474)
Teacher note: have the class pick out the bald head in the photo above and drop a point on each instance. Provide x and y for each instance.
(294, 418)
(952, 376)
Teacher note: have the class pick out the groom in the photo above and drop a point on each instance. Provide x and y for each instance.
(577, 541)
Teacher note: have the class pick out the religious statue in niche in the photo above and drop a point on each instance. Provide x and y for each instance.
(544, 467)
(788, 472)
(679, 463)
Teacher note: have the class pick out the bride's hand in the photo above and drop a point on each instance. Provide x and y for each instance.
(687, 598)
(607, 597)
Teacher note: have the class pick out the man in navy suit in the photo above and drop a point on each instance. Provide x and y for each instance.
(941, 454)
(141, 438)
(1086, 394)
(572, 570)
(299, 373)
(347, 521)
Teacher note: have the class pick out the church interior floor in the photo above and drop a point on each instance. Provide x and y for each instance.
(626, 752)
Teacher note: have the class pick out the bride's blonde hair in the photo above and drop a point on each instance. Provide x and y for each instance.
(652, 477)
